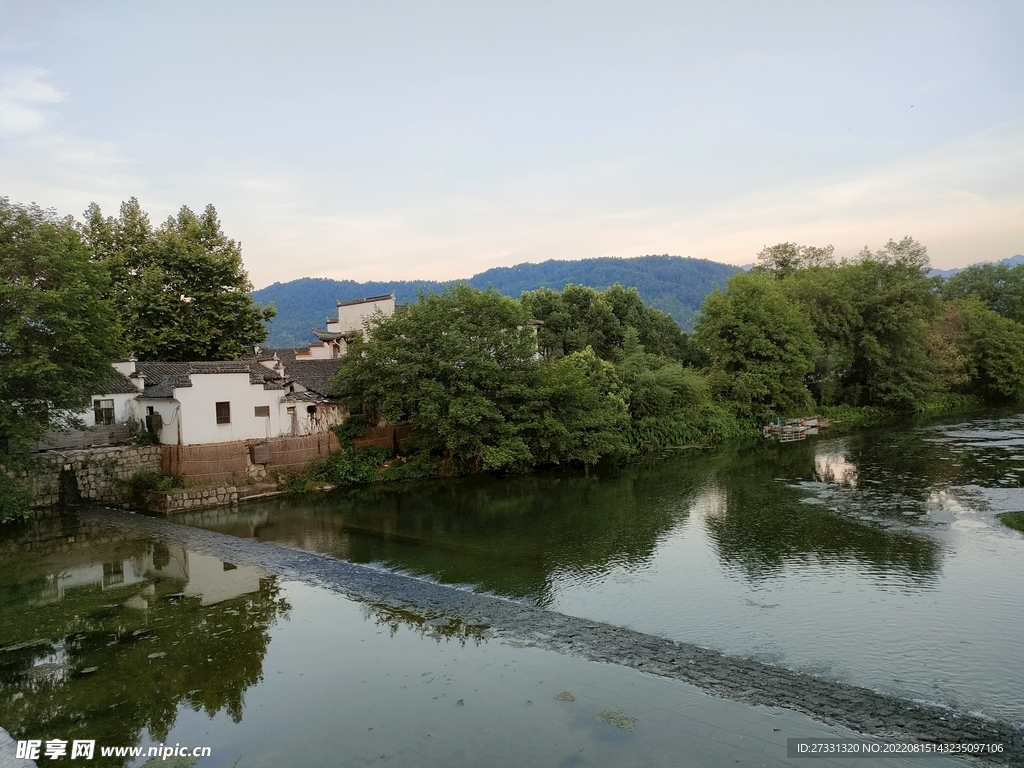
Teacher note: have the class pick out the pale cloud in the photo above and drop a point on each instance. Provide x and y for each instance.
(46, 160)
(21, 94)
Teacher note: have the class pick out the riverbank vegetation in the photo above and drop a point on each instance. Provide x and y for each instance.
(1013, 520)
(485, 386)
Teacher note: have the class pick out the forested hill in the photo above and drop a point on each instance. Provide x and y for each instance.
(673, 284)
(1013, 261)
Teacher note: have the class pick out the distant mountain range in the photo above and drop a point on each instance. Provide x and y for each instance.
(1013, 261)
(674, 284)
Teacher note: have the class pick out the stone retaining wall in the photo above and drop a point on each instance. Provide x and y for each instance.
(88, 474)
(188, 499)
(213, 474)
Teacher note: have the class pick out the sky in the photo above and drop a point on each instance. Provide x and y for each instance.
(434, 140)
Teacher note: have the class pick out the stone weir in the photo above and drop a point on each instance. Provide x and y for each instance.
(869, 712)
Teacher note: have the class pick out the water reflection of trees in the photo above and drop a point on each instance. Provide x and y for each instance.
(505, 536)
(105, 660)
(436, 627)
(765, 524)
(511, 535)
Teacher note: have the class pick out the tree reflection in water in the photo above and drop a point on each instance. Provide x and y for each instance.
(434, 627)
(105, 635)
(516, 535)
(763, 524)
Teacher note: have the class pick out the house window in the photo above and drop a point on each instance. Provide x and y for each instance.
(223, 413)
(104, 410)
(263, 411)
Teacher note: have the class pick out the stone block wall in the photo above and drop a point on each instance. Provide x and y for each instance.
(188, 499)
(88, 474)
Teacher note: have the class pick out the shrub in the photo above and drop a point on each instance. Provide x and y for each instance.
(14, 500)
(419, 466)
(353, 466)
(147, 486)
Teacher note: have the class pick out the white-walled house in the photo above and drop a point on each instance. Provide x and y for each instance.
(308, 408)
(279, 392)
(218, 402)
(114, 405)
(350, 319)
(199, 403)
(210, 402)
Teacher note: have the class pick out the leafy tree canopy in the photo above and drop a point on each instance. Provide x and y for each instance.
(57, 332)
(579, 317)
(999, 286)
(180, 289)
(462, 368)
(784, 258)
(991, 348)
(760, 346)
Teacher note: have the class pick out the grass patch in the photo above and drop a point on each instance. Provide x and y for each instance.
(1013, 520)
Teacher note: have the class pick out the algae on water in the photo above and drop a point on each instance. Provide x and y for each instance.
(618, 719)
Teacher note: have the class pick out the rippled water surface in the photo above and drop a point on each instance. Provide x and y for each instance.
(875, 557)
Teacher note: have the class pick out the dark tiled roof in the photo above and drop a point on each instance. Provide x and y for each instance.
(117, 384)
(326, 335)
(368, 299)
(284, 354)
(309, 396)
(314, 374)
(162, 378)
(161, 389)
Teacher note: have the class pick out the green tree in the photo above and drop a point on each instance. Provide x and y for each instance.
(784, 258)
(461, 367)
(993, 349)
(579, 317)
(760, 346)
(669, 404)
(656, 331)
(898, 306)
(999, 286)
(181, 289)
(875, 320)
(454, 365)
(577, 412)
(58, 334)
(829, 297)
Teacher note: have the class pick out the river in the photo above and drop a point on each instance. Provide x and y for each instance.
(872, 558)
